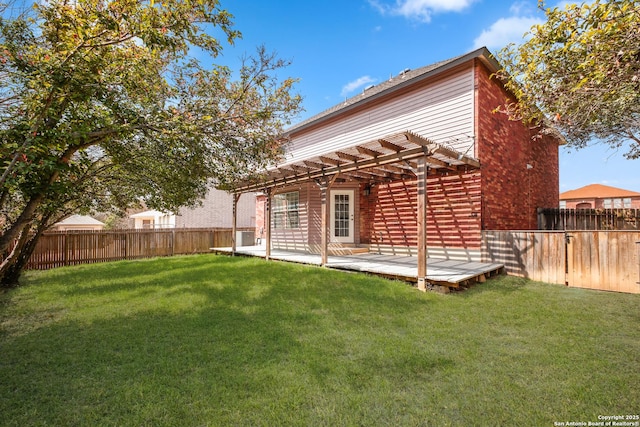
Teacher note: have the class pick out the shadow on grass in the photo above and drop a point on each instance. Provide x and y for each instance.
(258, 346)
(209, 340)
(225, 279)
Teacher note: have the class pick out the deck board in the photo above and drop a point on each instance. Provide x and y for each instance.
(444, 272)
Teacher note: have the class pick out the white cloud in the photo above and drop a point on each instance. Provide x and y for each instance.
(512, 29)
(505, 31)
(521, 8)
(355, 84)
(420, 10)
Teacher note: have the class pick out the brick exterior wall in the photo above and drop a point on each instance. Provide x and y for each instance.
(388, 214)
(519, 173)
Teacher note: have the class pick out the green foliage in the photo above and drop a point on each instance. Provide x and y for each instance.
(580, 73)
(104, 105)
(215, 340)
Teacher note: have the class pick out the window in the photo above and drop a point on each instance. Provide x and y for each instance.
(617, 203)
(563, 204)
(285, 210)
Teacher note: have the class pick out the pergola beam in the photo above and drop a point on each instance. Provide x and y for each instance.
(404, 149)
(367, 151)
(330, 161)
(348, 156)
(390, 145)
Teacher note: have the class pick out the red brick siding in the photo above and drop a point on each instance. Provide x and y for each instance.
(454, 211)
(391, 212)
(511, 191)
(388, 214)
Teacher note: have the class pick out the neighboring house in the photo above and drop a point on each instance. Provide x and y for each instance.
(418, 163)
(153, 220)
(78, 223)
(598, 196)
(217, 211)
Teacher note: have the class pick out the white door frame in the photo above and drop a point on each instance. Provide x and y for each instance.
(350, 238)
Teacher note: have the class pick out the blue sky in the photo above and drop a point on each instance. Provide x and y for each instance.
(338, 47)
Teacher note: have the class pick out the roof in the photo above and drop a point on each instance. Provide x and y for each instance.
(79, 220)
(597, 191)
(405, 78)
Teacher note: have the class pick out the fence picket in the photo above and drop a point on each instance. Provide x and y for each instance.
(60, 248)
(588, 219)
(604, 260)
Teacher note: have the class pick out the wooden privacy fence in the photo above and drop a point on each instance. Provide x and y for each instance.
(56, 249)
(604, 260)
(588, 219)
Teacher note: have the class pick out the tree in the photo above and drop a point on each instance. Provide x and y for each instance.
(104, 104)
(580, 73)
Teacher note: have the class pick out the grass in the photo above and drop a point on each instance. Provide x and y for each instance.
(214, 340)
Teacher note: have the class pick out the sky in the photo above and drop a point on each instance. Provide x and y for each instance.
(339, 47)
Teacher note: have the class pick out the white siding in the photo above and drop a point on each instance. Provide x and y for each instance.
(442, 112)
(294, 239)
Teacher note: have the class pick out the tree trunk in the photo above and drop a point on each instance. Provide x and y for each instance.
(26, 217)
(11, 276)
(7, 280)
(23, 221)
(10, 271)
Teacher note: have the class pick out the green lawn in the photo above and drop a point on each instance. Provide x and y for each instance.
(214, 340)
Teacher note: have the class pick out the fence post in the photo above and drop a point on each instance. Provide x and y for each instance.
(65, 248)
(638, 282)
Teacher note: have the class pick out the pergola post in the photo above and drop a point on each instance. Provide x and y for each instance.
(324, 184)
(267, 223)
(324, 221)
(234, 223)
(422, 222)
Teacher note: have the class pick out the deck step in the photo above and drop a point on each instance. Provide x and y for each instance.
(347, 250)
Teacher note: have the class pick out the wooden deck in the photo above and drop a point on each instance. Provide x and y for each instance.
(440, 272)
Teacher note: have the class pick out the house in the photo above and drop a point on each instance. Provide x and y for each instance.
(215, 211)
(153, 219)
(78, 223)
(419, 164)
(598, 196)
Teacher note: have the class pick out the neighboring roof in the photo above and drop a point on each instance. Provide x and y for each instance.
(597, 191)
(405, 78)
(79, 220)
(147, 214)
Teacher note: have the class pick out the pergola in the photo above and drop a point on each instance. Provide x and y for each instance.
(399, 156)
